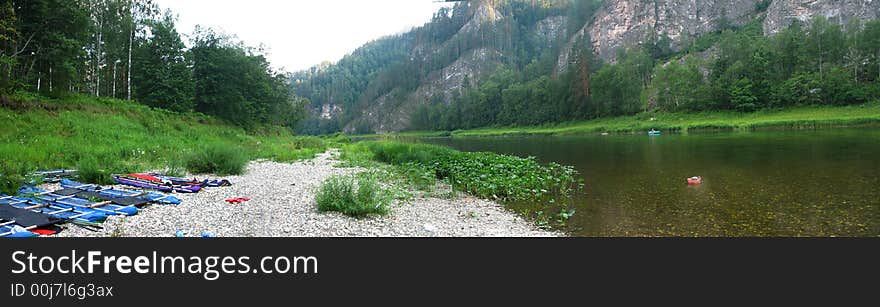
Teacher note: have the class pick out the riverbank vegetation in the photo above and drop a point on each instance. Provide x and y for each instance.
(736, 69)
(808, 117)
(101, 136)
(507, 179)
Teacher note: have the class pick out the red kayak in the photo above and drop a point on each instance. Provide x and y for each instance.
(695, 180)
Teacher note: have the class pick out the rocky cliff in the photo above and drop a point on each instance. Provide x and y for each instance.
(782, 13)
(632, 22)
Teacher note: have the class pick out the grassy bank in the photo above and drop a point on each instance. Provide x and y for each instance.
(101, 136)
(800, 117)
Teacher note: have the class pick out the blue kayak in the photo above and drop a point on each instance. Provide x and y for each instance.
(152, 197)
(11, 230)
(654, 133)
(22, 223)
(71, 201)
(53, 176)
(54, 209)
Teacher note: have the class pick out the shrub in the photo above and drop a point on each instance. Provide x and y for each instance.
(355, 197)
(11, 178)
(90, 171)
(399, 153)
(356, 155)
(216, 159)
(420, 176)
(308, 142)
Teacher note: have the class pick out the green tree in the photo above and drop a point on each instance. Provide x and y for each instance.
(616, 90)
(869, 44)
(237, 84)
(49, 48)
(8, 38)
(825, 43)
(801, 89)
(789, 51)
(742, 95)
(680, 86)
(839, 88)
(163, 78)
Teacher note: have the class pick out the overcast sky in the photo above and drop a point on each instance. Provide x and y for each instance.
(301, 33)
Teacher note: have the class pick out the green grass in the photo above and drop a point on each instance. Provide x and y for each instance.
(353, 195)
(218, 160)
(793, 118)
(103, 136)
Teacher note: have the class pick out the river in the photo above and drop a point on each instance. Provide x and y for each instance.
(766, 183)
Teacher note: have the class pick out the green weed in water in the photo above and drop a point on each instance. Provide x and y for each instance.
(486, 175)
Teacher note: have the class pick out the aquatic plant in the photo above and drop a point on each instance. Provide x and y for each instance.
(482, 174)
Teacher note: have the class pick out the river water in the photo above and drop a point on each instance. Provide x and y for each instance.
(767, 183)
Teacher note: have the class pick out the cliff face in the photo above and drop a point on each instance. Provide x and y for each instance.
(484, 13)
(385, 116)
(782, 13)
(630, 22)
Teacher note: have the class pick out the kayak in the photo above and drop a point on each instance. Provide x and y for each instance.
(184, 181)
(53, 176)
(64, 212)
(146, 181)
(106, 207)
(695, 180)
(654, 133)
(22, 223)
(152, 197)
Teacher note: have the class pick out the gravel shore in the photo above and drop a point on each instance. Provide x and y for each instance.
(283, 205)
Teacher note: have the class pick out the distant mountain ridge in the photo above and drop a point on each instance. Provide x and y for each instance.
(380, 86)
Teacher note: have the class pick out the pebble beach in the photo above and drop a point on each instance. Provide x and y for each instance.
(283, 205)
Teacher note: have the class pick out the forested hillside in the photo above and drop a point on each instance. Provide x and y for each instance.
(130, 49)
(528, 62)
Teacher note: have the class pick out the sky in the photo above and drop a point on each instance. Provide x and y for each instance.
(299, 34)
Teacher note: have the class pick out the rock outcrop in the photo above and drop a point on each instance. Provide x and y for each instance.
(484, 14)
(783, 12)
(385, 116)
(630, 22)
(551, 29)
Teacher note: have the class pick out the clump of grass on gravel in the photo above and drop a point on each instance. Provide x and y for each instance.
(89, 170)
(355, 196)
(218, 160)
